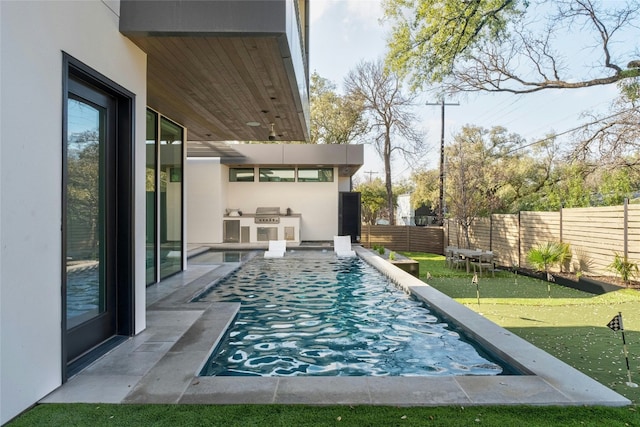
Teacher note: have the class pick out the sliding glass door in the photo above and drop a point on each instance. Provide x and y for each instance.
(165, 162)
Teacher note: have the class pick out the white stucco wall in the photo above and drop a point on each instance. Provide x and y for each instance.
(205, 198)
(32, 37)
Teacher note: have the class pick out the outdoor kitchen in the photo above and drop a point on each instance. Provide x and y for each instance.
(266, 223)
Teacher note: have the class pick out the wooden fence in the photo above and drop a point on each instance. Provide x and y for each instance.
(403, 238)
(595, 235)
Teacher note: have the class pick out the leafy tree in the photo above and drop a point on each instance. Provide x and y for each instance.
(373, 197)
(484, 174)
(335, 119)
(83, 191)
(388, 111)
(468, 192)
(616, 185)
(427, 189)
(374, 201)
(510, 45)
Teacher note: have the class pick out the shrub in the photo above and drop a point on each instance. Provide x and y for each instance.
(546, 255)
(565, 256)
(623, 267)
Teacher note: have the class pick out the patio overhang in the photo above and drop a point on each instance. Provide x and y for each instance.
(346, 157)
(225, 69)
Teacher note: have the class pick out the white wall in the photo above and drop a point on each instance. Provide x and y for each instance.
(33, 36)
(205, 200)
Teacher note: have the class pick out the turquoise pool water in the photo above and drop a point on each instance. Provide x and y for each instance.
(333, 317)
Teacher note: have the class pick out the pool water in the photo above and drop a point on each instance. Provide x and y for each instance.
(217, 257)
(333, 317)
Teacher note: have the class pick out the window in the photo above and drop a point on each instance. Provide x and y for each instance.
(277, 175)
(170, 191)
(241, 175)
(315, 175)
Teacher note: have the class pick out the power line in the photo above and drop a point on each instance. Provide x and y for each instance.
(370, 173)
(540, 141)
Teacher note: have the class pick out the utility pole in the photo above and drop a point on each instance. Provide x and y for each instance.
(441, 208)
(370, 173)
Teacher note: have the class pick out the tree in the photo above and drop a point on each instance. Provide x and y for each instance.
(483, 170)
(388, 111)
(613, 140)
(427, 190)
(83, 192)
(510, 45)
(335, 119)
(373, 197)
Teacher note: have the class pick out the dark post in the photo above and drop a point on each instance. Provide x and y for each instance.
(441, 209)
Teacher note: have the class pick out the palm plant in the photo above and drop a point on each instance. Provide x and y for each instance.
(625, 268)
(565, 256)
(546, 255)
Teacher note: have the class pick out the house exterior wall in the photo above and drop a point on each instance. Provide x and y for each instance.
(205, 200)
(33, 36)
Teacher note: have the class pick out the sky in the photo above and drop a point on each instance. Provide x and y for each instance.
(346, 32)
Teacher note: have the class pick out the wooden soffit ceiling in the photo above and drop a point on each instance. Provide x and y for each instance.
(216, 85)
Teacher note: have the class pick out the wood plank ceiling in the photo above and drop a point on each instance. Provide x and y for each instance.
(216, 85)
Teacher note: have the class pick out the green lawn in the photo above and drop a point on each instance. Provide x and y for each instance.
(570, 324)
(298, 415)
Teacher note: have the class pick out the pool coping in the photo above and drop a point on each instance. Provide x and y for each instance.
(160, 365)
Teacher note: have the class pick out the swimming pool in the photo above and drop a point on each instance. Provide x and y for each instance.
(311, 314)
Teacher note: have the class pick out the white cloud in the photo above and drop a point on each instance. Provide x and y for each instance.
(366, 11)
(318, 8)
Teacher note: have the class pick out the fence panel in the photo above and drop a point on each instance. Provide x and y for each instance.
(404, 238)
(537, 228)
(633, 233)
(480, 234)
(504, 239)
(595, 234)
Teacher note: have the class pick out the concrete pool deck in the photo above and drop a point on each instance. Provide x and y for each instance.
(160, 365)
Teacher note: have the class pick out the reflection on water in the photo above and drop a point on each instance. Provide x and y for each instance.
(333, 317)
(83, 293)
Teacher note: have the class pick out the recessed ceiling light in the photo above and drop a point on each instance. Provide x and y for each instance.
(253, 124)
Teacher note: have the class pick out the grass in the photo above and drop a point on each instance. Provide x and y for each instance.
(299, 415)
(570, 324)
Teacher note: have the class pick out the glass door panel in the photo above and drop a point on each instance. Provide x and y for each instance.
(85, 194)
(170, 188)
(151, 179)
(89, 211)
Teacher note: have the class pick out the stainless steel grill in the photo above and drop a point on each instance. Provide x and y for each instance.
(267, 216)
